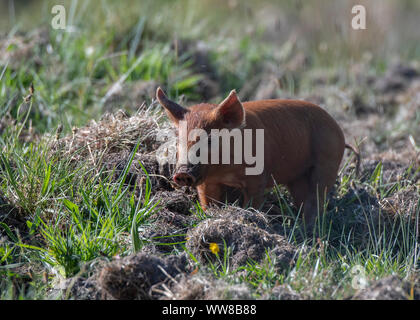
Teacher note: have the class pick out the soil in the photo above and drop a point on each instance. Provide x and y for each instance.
(127, 278)
(283, 292)
(11, 216)
(247, 242)
(199, 287)
(390, 288)
(167, 231)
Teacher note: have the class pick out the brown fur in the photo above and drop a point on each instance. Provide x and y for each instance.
(303, 148)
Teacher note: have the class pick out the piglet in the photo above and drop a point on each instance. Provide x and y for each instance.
(293, 142)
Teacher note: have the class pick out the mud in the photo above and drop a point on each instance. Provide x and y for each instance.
(177, 201)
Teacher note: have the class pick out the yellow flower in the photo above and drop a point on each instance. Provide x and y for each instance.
(214, 247)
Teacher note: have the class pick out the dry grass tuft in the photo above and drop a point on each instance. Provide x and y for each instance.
(114, 133)
(198, 287)
(390, 288)
(133, 277)
(247, 242)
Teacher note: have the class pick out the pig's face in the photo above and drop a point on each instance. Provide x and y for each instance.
(194, 132)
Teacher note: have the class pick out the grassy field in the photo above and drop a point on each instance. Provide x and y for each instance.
(86, 212)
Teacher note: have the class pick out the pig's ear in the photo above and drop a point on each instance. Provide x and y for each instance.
(231, 111)
(175, 112)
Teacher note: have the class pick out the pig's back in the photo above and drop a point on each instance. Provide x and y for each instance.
(296, 134)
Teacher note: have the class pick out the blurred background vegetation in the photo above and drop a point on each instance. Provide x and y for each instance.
(198, 50)
(113, 55)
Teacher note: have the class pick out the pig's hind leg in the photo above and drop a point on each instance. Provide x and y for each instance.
(321, 180)
(299, 189)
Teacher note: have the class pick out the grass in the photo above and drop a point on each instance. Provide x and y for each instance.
(328, 266)
(75, 213)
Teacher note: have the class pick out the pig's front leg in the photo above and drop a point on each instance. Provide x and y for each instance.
(253, 193)
(252, 199)
(209, 193)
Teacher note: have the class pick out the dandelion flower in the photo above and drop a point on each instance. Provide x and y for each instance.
(214, 247)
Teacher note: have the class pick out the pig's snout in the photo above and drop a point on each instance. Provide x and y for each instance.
(184, 179)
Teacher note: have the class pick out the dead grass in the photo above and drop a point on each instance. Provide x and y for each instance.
(200, 287)
(248, 243)
(390, 288)
(133, 277)
(114, 133)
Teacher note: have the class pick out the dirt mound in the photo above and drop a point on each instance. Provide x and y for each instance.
(356, 213)
(133, 277)
(128, 278)
(159, 176)
(282, 292)
(114, 133)
(171, 222)
(245, 216)
(404, 202)
(392, 171)
(397, 78)
(390, 288)
(177, 201)
(200, 287)
(205, 287)
(78, 288)
(13, 219)
(173, 218)
(246, 241)
(141, 276)
(108, 144)
(167, 230)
